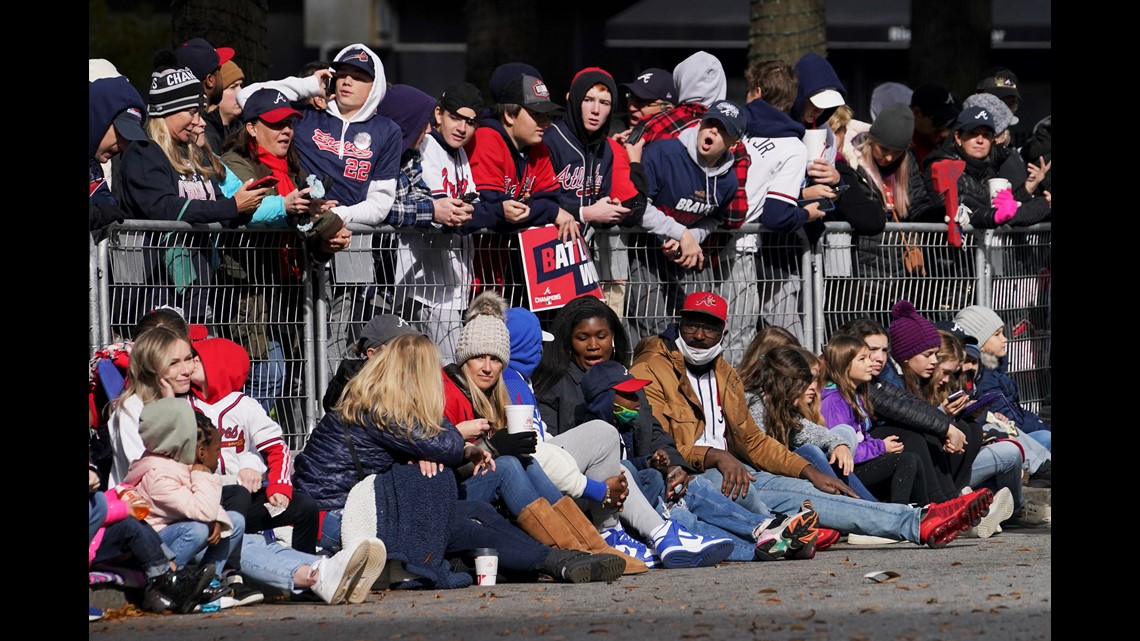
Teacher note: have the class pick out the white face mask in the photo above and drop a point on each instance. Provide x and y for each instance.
(699, 356)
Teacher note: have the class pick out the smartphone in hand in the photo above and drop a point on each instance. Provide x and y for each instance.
(268, 181)
(635, 135)
(825, 204)
(469, 197)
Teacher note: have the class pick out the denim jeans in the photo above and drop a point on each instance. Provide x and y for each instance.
(784, 494)
(96, 513)
(1044, 437)
(516, 484)
(272, 563)
(707, 512)
(266, 381)
(187, 539)
(998, 465)
(137, 539)
(816, 457)
(330, 531)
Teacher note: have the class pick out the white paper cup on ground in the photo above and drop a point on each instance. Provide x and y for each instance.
(520, 418)
(998, 184)
(486, 566)
(816, 141)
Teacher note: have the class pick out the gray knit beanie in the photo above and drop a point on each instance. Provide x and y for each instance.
(1003, 117)
(484, 330)
(894, 127)
(979, 321)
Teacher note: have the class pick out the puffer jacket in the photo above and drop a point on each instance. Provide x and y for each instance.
(678, 409)
(974, 192)
(325, 469)
(896, 406)
(861, 206)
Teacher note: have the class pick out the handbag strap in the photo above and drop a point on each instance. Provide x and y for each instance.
(894, 214)
(352, 452)
(179, 219)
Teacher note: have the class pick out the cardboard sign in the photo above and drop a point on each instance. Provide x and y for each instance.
(556, 272)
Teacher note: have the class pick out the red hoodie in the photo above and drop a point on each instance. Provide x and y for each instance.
(244, 425)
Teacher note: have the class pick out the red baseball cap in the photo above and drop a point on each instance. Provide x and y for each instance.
(706, 303)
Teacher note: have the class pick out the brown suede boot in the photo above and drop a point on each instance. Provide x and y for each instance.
(543, 524)
(591, 540)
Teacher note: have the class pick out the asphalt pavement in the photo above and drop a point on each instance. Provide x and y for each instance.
(996, 588)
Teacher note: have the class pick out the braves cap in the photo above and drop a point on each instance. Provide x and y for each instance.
(530, 92)
(461, 95)
(1000, 82)
(729, 115)
(268, 104)
(653, 84)
(936, 102)
(974, 117)
(381, 329)
(358, 58)
(608, 375)
(129, 124)
(201, 56)
(707, 304)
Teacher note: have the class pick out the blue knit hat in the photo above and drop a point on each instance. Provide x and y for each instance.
(910, 332)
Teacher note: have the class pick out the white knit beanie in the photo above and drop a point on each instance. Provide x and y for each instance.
(485, 330)
(979, 321)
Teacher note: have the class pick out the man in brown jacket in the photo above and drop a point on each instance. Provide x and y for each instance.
(698, 398)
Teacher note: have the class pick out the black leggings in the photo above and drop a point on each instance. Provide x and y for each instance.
(933, 463)
(302, 514)
(894, 478)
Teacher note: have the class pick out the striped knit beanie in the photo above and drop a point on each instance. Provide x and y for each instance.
(173, 88)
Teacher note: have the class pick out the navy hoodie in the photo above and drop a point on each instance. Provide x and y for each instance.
(771, 133)
(107, 98)
(815, 74)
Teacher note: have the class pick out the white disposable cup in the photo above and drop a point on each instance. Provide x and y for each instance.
(520, 418)
(486, 566)
(815, 140)
(998, 184)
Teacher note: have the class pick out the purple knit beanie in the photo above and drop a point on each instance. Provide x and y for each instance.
(910, 333)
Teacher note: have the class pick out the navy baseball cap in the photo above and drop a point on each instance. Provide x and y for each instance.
(729, 115)
(268, 104)
(973, 117)
(1001, 82)
(936, 102)
(653, 84)
(359, 58)
(129, 124)
(201, 56)
(608, 375)
(530, 92)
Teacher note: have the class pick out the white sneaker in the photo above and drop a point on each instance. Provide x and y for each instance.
(338, 574)
(373, 568)
(1000, 509)
(867, 539)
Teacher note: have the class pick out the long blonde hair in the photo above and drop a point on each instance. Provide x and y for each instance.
(150, 356)
(492, 404)
(399, 390)
(186, 158)
(897, 182)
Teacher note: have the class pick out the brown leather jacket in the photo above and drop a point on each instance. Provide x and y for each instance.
(678, 408)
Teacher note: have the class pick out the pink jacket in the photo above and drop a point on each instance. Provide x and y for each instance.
(178, 494)
(117, 510)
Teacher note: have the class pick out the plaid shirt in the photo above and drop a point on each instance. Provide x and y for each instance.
(668, 124)
(414, 205)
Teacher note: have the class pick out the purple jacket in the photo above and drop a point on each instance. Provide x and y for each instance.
(836, 411)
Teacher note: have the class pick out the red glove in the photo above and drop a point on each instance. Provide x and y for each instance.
(1006, 206)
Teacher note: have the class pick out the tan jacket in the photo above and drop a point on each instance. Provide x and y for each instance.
(678, 408)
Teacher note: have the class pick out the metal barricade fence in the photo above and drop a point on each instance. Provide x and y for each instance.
(299, 323)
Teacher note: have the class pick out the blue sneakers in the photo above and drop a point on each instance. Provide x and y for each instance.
(94, 613)
(617, 538)
(679, 548)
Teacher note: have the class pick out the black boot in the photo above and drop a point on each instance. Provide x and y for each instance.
(573, 566)
(178, 590)
(1043, 477)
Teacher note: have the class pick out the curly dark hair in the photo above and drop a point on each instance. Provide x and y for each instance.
(781, 378)
(556, 354)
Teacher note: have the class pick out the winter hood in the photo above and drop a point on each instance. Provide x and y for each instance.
(226, 365)
(700, 78)
(583, 81)
(815, 74)
(107, 98)
(765, 121)
(689, 138)
(410, 108)
(526, 340)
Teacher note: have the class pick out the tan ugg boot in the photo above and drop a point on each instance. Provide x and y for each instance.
(543, 524)
(589, 536)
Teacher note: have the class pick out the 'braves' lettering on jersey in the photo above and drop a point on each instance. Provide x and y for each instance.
(452, 189)
(571, 178)
(327, 142)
